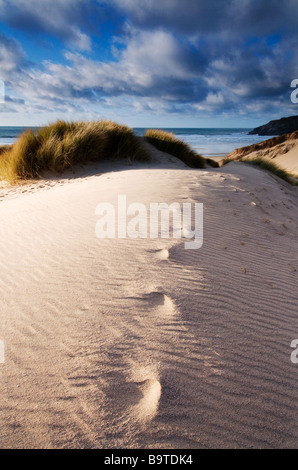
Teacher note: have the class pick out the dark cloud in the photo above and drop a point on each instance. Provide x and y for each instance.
(213, 16)
(67, 20)
(12, 57)
(184, 17)
(193, 56)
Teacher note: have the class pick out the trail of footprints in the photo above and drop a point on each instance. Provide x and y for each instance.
(151, 366)
(161, 309)
(139, 382)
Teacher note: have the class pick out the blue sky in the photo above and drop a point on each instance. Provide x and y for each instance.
(148, 63)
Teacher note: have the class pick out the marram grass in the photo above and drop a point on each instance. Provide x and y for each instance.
(61, 145)
(166, 142)
(273, 168)
(266, 164)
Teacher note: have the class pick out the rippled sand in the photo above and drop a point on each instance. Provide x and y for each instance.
(141, 343)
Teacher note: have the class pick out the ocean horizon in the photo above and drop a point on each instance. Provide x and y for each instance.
(206, 141)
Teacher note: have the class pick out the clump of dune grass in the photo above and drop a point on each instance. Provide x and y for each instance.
(273, 168)
(166, 142)
(61, 145)
(269, 166)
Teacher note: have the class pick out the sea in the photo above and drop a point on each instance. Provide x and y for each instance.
(206, 141)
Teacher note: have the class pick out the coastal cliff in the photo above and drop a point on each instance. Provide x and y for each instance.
(277, 127)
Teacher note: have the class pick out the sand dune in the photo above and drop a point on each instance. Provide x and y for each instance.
(139, 342)
(281, 150)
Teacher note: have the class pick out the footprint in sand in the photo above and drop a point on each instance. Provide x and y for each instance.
(146, 409)
(148, 389)
(162, 302)
(140, 391)
(162, 254)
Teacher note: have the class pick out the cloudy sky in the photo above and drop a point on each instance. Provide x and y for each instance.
(182, 63)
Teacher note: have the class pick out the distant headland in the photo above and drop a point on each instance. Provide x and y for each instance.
(278, 127)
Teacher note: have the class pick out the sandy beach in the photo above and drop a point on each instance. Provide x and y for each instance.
(139, 343)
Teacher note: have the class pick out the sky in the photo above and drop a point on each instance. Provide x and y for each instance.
(148, 63)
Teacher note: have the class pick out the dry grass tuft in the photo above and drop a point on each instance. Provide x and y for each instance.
(61, 145)
(268, 165)
(166, 142)
(273, 168)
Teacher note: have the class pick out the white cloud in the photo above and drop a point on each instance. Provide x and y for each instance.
(160, 66)
(153, 64)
